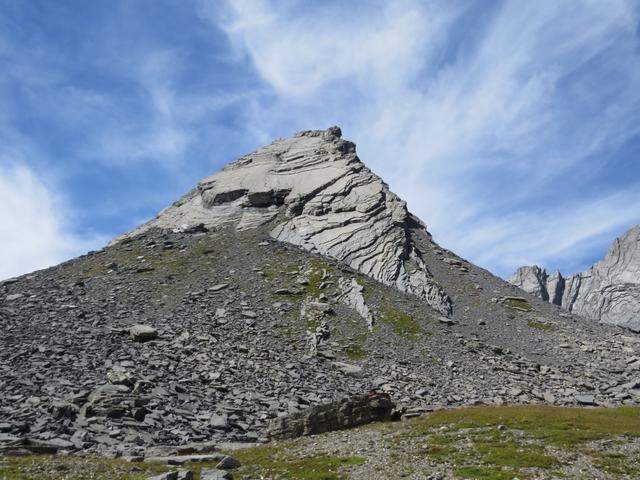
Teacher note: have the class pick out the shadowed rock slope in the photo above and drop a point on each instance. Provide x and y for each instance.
(609, 291)
(291, 278)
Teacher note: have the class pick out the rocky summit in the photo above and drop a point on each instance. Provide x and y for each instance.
(609, 291)
(322, 199)
(289, 282)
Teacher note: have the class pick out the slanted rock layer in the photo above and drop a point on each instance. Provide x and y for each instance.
(609, 291)
(323, 199)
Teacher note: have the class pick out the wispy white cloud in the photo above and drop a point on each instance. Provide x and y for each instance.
(560, 235)
(36, 224)
(159, 133)
(487, 125)
(171, 119)
(310, 52)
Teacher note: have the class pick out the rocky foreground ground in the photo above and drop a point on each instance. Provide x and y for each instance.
(249, 330)
(485, 443)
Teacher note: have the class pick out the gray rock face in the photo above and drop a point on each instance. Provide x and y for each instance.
(352, 296)
(532, 280)
(321, 198)
(609, 291)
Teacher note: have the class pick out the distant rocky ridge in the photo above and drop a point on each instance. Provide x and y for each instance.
(609, 291)
(327, 202)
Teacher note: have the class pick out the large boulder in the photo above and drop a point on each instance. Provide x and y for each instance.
(339, 415)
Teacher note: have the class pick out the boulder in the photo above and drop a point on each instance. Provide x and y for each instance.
(342, 414)
(228, 463)
(142, 333)
(215, 474)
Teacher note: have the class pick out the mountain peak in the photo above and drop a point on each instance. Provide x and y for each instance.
(319, 196)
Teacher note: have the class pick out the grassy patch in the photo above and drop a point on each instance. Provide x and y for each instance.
(273, 461)
(401, 323)
(442, 439)
(280, 269)
(559, 426)
(317, 268)
(514, 455)
(312, 323)
(615, 463)
(545, 327)
(492, 442)
(483, 473)
(354, 352)
(441, 452)
(58, 467)
(367, 289)
(515, 304)
(287, 331)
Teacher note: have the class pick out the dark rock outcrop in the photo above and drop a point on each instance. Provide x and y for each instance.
(347, 413)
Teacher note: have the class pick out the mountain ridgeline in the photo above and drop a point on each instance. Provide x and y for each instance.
(290, 279)
(609, 291)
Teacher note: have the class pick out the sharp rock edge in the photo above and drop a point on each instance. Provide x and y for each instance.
(322, 199)
(609, 291)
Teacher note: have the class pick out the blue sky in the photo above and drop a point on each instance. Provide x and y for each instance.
(511, 128)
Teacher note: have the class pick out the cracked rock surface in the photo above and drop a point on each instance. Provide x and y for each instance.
(609, 291)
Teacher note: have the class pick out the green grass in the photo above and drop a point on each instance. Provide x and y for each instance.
(287, 331)
(484, 473)
(484, 443)
(616, 463)
(517, 305)
(545, 327)
(367, 289)
(560, 426)
(527, 441)
(58, 467)
(401, 323)
(441, 453)
(514, 454)
(442, 439)
(272, 461)
(317, 267)
(354, 352)
(126, 256)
